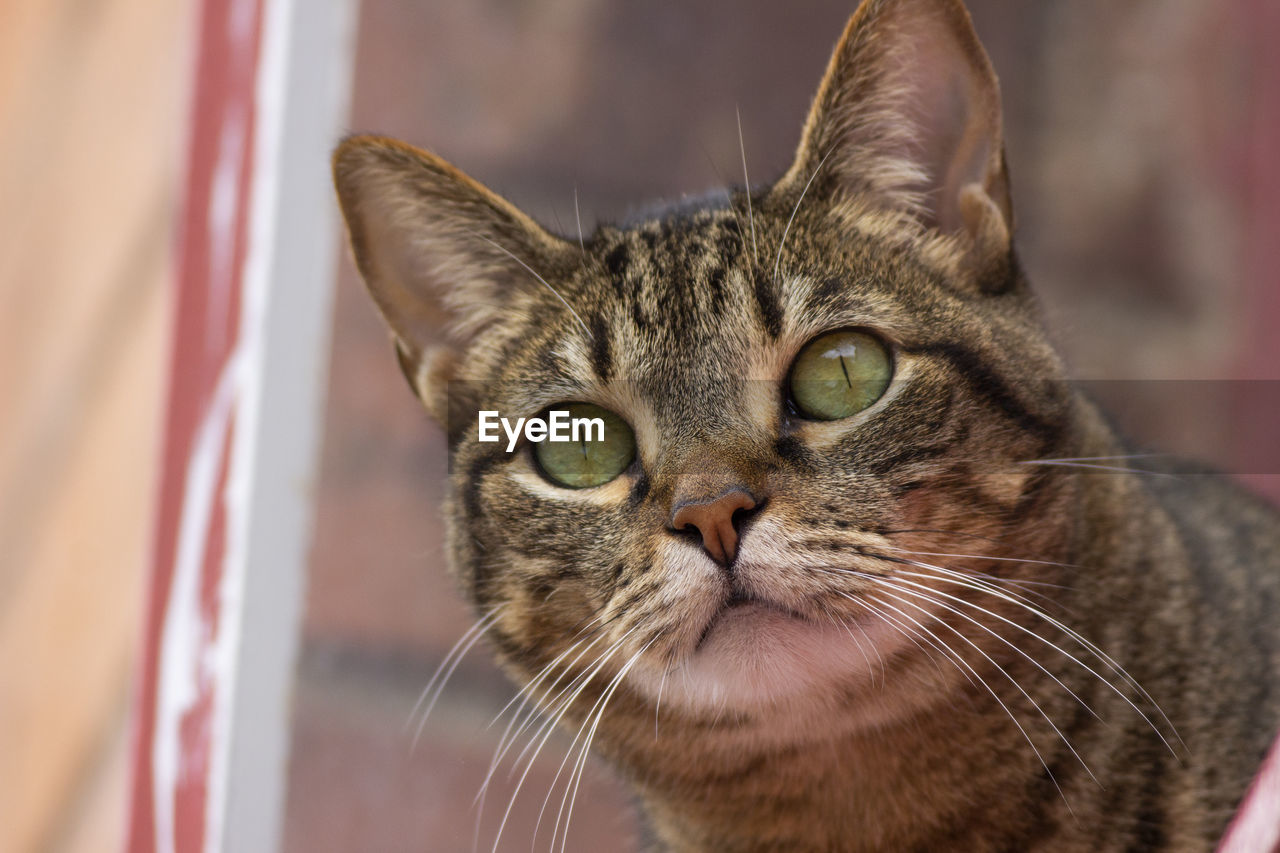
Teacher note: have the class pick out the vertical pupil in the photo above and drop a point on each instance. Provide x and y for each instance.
(847, 380)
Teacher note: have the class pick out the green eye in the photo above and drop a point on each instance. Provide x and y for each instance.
(600, 447)
(839, 374)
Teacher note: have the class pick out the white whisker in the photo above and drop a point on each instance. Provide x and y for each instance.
(785, 231)
(993, 633)
(525, 690)
(577, 215)
(508, 739)
(912, 635)
(1117, 469)
(1105, 458)
(995, 559)
(451, 661)
(658, 704)
(558, 705)
(1000, 669)
(960, 659)
(1046, 642)
(952, 576)
(742, 146)
(545, 283)
(586, 744)
(973, 576)
(545, 731)
(844, 623)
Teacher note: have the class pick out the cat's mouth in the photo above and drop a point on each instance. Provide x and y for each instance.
(740, 605)
(749, 649)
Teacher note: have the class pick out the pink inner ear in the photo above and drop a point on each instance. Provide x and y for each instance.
(954, 111)
(909, 118)
(413, 313)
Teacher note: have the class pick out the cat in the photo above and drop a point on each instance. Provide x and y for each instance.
(832, 535)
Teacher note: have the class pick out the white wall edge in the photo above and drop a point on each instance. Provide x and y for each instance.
(305, 69)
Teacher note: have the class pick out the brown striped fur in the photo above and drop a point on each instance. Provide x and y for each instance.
(916, 704)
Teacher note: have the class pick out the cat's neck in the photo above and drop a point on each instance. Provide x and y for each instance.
(886, 789)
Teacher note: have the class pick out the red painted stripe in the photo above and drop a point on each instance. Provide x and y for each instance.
(212, 246)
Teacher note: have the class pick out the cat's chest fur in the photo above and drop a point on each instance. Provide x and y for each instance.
(838, 570)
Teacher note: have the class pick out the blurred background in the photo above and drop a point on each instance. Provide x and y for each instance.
(1142, 140)
(92, 115)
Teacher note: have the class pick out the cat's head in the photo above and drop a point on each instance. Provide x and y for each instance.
(745, 492)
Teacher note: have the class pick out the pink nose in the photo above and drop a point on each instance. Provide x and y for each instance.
(714, 520)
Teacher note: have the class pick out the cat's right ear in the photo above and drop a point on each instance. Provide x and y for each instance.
(443, 256)
(907, 121)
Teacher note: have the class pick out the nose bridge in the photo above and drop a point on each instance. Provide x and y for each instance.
(705, 480)
(711, 457)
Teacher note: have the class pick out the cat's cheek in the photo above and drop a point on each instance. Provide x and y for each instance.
(918, 509)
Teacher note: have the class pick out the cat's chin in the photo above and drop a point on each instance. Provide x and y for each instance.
(756, 655)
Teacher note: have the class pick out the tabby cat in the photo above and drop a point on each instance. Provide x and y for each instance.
(829, 580)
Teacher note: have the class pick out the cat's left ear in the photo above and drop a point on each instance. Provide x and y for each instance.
(908, 119)
(444, 258)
